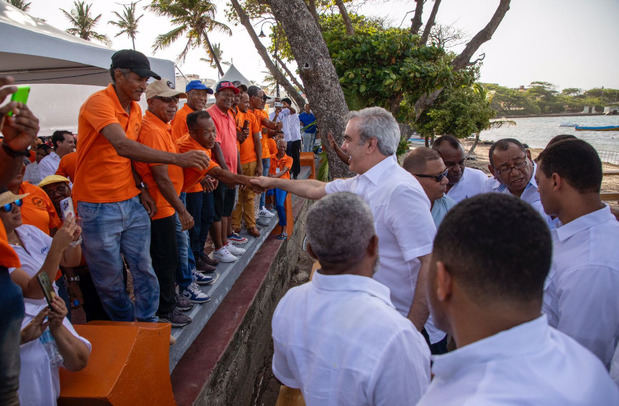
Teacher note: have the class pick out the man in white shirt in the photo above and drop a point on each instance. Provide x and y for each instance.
(491, 256)
(338, 338)
(581, 297)
(400, 207)
(462, 182)
(64, 143)
(292, 133)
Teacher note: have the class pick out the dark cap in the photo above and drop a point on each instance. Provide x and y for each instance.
(134, 61)
(226, 85)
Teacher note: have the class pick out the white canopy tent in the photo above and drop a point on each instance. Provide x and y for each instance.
(35, 52)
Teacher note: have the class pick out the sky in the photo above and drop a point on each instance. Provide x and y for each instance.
(570, 43)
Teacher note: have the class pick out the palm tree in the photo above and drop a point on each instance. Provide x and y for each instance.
(218, 54)
(195, 19)
(127, 22)
(83, 22)
(20, 4)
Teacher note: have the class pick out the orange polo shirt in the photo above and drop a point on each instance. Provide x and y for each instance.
(272, 146)
(158, 135)
(66, 167)
(260, 115)
(193, 176)
(101, 175)
(38, 209)
(179, 122)
(226, 135)
(281, 163)
(8, 257)
(247, 149)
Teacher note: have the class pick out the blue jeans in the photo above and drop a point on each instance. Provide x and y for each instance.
(112, 229)
(280, 204)
(308, 141)
(11, 316)
(202, 208)
(266, 165)
(186, 260)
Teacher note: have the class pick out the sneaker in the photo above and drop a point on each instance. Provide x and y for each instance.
(203, 266)
(182, 303)
(202, 279)
(254, 232)
(223, 255)
(262, 221)
(209, 260)
(282, 236)
(265, 213)
(234, 250)
(237, 239)
(195, 295)
(176, 318)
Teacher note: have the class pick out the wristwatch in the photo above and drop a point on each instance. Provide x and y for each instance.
(12, 153)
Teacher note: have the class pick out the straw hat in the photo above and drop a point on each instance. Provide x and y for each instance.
(10, 197)
(48, 180)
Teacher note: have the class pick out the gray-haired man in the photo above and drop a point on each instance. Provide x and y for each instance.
(401, 208)
(339, 337)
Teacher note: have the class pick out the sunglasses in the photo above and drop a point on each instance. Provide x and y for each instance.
(9, 206)
(437, 178)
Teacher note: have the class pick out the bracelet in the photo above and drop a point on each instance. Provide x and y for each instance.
(12, 153)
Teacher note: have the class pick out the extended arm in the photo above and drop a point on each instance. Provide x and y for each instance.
(419, 311)
(307, 188)
(219, 156)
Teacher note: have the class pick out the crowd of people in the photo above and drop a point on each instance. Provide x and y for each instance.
(437, 284)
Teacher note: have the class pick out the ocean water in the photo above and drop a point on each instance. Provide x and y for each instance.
(537, 131)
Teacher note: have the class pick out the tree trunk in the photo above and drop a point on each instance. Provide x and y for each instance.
(262, 51)
(416, 21)
(213, 56)
(290, 75)
(430, 22)
(347, 22)
(463, 59)
(317, 72)
(312, 8)
(474, 145)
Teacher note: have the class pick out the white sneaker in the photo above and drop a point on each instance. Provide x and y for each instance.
(234, 250)
(265, 213)
(224, 255)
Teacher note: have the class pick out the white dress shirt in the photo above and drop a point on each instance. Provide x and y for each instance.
(530, 364)
(581, 297)
(49, 165)
(339, 340)
(32, 173)
(291, 125)
(403, 224)
(470, 184)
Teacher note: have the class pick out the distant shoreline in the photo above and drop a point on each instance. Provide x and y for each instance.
(552, 115)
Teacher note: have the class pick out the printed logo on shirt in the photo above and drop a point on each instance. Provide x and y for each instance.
(37, 201)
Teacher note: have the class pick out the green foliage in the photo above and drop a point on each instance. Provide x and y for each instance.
(128, 21)
(460, 111)
(20, 4)
(83, 22)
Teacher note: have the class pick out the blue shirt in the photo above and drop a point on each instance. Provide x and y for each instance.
(440, 208)
(306, 119)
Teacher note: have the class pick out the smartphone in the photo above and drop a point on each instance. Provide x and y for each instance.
(46, 287)
(245, 124)
(279, 104)
(66, 207)
(21, 96)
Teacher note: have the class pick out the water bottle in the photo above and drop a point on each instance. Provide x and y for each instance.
(49, 343)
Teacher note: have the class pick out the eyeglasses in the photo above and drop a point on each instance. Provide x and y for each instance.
(508, 168)
(9, 206)
(437, 178)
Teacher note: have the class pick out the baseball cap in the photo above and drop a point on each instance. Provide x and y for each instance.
(240, 86)
(198, 85)
(134, 61)
(225, 85)
(48, 180)
(162, 88)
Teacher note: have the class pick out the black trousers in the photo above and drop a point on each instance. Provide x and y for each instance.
(165, 260)
(294, 151)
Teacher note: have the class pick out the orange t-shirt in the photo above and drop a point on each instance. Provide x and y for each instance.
(101, 175)
(272, 146)
(260, 115)
(193, 176)
(33, 155)
(38, 209)
(158, 135)
(281, 163)
(247, 149)
(8, 257)
(179, 122)
(66, 167)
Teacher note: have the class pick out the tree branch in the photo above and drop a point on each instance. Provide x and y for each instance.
(430, 22)
(347, 22)
(311, 5)
(290, 75)
(416, 20)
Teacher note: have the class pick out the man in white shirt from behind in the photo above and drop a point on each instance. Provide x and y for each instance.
(338, 338)
(491, 255)
(463, 182)
(64, 143)
(400, 207)
(582, 292)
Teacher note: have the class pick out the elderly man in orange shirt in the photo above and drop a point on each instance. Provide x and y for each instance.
(114, 219)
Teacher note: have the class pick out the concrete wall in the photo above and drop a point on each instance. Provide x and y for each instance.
(243, 369)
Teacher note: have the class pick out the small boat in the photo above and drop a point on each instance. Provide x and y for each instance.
(598, 128)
